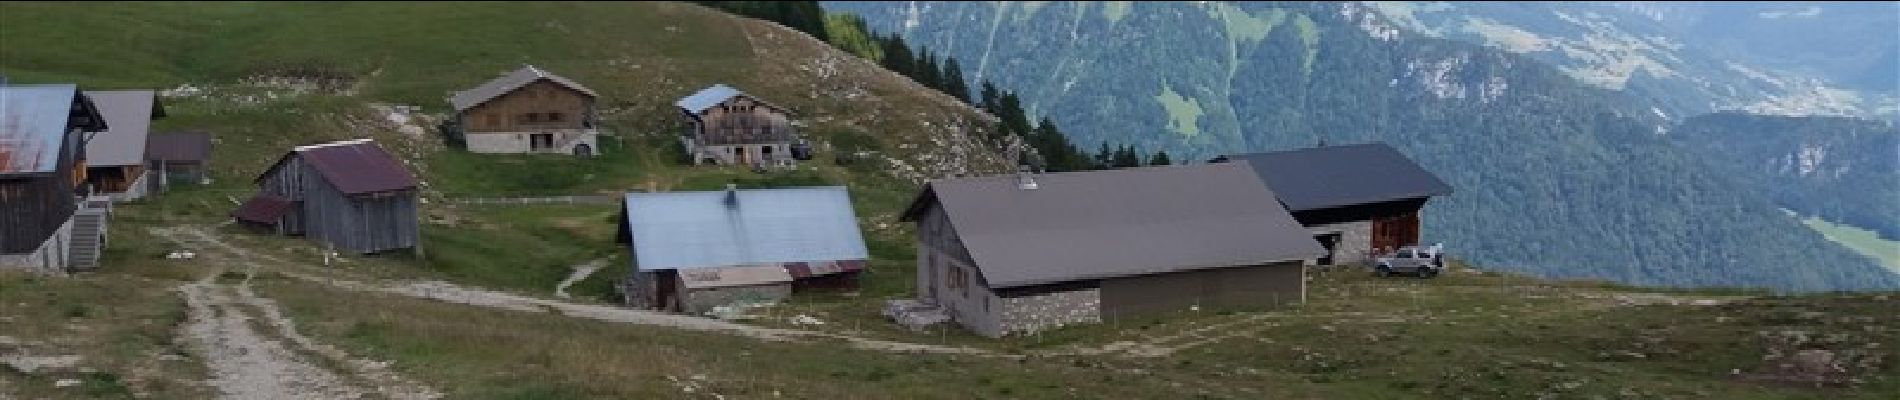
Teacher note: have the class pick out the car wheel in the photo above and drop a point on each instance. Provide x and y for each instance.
(1382, 271)
(1427, 272)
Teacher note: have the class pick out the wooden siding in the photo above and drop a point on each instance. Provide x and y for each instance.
(1394, 223)
(526, 110)
(361, 224)
(1211, 289)
(941, 257)
(741, 120)
(33, 208)
(113, 179)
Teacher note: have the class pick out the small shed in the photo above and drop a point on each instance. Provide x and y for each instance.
(693, 251)
(115, 160)
(43, 130)
(178, 158)
(1026, 253)
(529, 110)
(351, 195)
(1357, 200)
(728, 127)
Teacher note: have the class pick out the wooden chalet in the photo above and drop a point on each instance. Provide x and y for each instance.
(528, 110)
(728, 127)
(1359, 201)
(43, 131)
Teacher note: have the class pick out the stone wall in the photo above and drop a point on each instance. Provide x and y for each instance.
(50, 258)
(1029, 314)
(781, 154)
(697, 301)
(1355, 241)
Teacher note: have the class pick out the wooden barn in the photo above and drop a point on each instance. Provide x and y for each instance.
(1018, 254)
(43, 129)
(1358, 200)
(351, 195)
(178, 158)
(694, 251)
(528, 111)
(115, 160)
(728, 127)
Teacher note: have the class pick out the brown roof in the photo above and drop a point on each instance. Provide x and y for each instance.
(1102, 224)
(466, 99)
(262, 208)
(180, 146)
(353, 166)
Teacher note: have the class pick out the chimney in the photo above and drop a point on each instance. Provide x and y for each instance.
(1024, 179)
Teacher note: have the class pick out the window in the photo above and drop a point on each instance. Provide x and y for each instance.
(554, 117)
(533, 117)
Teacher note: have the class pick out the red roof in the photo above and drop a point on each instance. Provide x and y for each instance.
(355, 167)
(262, 208)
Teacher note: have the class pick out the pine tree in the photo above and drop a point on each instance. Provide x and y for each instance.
(926, 72)
(1105, 157)
(953, 81)
(1160, 158)
(991, 98)
(1126, 157)
(897, 55)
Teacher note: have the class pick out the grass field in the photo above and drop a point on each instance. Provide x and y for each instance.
(1860, 240)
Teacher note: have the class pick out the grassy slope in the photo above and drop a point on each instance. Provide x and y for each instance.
(640, 57)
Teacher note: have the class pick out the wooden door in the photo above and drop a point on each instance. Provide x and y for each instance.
(1394, 231)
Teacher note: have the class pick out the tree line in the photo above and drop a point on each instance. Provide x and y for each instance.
(1052, 150)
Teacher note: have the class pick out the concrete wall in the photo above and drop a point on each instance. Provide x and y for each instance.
(1029, 314)
(696, 301)
(565, 141)
(1355, 240)
(48, 258)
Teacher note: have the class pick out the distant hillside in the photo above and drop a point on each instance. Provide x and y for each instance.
(277, 74)
(1843, 170)
(1554, 177)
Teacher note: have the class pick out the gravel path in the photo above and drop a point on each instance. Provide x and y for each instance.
(254, 352)
(452, 293)
(580, 272)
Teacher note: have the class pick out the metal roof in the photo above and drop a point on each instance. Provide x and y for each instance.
(129, 113)
(352, 166)
(33, 122)
(681, 230)
(711, 277)
(708, 97)
(262, 208)
(179, 146)
(466, 99)
(1336, 176)
(1103, 224)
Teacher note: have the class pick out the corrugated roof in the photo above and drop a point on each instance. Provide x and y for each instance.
(262, 208)
(706, 98)
(33, 121)
(1336, 176)
(353, 166)
(680, 230)
(129, 113)
(179, 146)
(466, 99)
(1127, 222)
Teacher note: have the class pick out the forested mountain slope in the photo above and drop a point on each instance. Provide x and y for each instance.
(1554, 177)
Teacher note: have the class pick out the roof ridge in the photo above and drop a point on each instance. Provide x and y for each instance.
(333, 144)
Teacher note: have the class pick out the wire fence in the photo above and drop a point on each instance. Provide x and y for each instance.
(585, 199)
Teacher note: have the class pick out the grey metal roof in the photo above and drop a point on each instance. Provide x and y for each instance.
(463, 100)
(682, 230)
(33, 121)
(708, 97)
(179, 146)
(1336, 176)
(1128, 222)
(129, 113)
